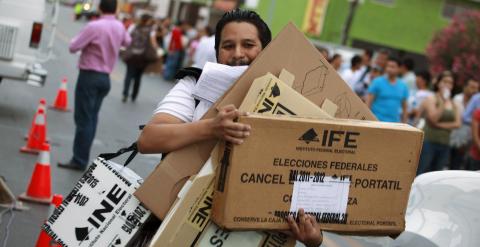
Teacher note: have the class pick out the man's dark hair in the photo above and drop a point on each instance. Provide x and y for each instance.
(408, 63)
(108, 6)
(369, 52)
(425, 75)
(394, 59)
(240, 15)
(384, 51)
(356, 60)
(335, 56)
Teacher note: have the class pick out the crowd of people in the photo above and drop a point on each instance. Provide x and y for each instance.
(446, 109)
(173, 46)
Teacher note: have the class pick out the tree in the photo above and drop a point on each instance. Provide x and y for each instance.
(457, 47)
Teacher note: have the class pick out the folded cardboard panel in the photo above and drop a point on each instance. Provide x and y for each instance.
(354, 176)
(188, 218)
(314, 78)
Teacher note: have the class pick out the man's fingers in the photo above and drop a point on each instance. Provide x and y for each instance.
(237, 133)
(293, 226)
(228, 108)
(301, 218)
(233, 140)
(308, 223)
(237, 126)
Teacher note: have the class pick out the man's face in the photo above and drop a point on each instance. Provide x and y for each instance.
(381, 60)
(366, 59)
(472, 87)
(392, 69)
(239, 44)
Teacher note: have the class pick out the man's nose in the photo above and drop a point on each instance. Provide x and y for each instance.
(239, 52)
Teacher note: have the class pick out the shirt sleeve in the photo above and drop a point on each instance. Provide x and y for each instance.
(406, 92)
(82, 39)
(179, 102)
(472, 105)
(373, 89)
(127, 39)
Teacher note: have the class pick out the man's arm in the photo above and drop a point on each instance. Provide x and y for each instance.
(166, 133)
(82, 39)
(475, 132)
(370, 99)
(127, 39)
(404, 112)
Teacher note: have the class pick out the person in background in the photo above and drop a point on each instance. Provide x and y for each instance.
(387, 95)
(407, 75)
(324, 52)
(442, 116)
(99, 43)
(473, 157)
(460, 138)
(422, 83)
(203, 34)
(352, 75)
(336, 61)
(143, 42)
(381, 59)
(205, 51)
(176, 51)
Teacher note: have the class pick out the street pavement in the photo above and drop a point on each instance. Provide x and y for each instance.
(117, 128)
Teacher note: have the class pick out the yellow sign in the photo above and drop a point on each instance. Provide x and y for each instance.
(314, 17)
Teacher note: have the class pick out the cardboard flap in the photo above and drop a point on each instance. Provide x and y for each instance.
(287, 77)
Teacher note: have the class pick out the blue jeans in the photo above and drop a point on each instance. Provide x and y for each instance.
(434, 157)
(173, 64)
(91, 88)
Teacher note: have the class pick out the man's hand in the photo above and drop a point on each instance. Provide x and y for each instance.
(224, 127)
(307, 230)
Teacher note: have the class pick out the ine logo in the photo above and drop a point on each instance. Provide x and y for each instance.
(275, 91)
(81, 233)
(309, 136)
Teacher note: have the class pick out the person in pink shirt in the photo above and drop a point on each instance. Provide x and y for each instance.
(99, 43)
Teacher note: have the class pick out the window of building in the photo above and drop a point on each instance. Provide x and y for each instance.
(454, 7)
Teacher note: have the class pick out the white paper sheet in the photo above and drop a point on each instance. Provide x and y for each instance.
(215, 80)
(329, 196)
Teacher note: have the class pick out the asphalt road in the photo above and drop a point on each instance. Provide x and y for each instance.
(117, 128)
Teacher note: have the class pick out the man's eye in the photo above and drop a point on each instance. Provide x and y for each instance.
(228, 47)
(249, 45)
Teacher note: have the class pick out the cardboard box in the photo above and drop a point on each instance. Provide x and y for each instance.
(314, 78)
(101, 209)
(190, 215)
(355, 176)
(188, 222)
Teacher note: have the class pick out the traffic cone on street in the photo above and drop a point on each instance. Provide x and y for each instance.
(37, 135)
(40, 187)
(41, 105)
(61, 101)
(44, 240)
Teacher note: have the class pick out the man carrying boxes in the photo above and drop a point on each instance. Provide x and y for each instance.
(240, 37)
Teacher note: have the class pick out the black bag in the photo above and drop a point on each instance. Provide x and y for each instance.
(141, 51)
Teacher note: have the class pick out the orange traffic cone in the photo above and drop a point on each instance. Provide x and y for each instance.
(41, 105)
(40, 187)
(61, 101)
(44, 240)
(37, 135)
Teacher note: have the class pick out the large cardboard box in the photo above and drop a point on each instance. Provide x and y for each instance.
(314, 78)
(354, 176)
(188, 222)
